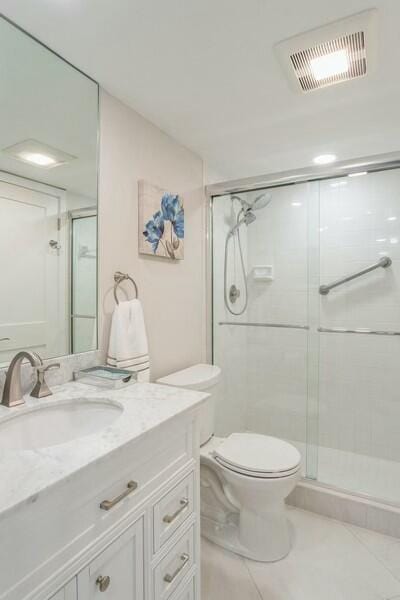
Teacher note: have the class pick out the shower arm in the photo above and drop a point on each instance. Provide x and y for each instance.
(384, 262)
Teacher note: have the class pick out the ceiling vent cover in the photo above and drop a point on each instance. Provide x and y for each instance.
(340, 51)
(351, 48)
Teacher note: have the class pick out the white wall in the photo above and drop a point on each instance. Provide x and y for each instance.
(172, 293)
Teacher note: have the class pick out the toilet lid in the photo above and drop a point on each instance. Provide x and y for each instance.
(258, 455)
(198, 377)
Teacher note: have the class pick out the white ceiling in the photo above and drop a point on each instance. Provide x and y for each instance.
(205, 72)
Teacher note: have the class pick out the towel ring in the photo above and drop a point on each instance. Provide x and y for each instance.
(119, 278)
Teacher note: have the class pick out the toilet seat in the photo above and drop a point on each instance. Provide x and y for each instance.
(256, 455)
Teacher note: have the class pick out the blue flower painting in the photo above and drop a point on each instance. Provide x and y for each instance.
(161, 222)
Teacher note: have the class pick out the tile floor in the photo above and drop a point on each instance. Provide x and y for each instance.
(330, 560)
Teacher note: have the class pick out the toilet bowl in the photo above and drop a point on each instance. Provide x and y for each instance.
(244, 479)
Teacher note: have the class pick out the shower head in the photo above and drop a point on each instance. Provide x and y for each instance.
(246, 215)
(247, 218)
(260, 201)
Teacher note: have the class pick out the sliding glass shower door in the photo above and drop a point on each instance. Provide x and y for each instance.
(317, 369)
(359, 391)
(264, 352)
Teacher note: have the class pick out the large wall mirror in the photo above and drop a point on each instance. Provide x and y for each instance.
(48, 201)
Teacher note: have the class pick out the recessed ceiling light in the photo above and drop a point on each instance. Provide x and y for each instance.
(38, 154)
(324, 159)
(330, 65)
(358, 174)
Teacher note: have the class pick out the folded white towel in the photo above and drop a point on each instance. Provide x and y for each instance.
(128, 348)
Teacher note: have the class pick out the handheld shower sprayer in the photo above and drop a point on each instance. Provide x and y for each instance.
(245, 216)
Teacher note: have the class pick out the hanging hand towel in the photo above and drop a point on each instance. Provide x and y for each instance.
(128, 347)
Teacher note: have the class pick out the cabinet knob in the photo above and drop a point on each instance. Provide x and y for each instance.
(103, 582)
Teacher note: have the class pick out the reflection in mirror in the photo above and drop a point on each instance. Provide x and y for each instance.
(48, 201)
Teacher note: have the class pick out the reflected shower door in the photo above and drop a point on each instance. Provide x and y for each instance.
(84, 283)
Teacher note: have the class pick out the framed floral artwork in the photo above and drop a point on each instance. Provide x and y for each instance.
(161, 222)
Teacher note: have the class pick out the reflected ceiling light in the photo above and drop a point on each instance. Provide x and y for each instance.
(38, 154)
(392, 218)
(358, 174)
(296, 203)
(324, 159)
(330, 65)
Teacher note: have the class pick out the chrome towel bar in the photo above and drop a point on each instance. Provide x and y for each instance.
(279, 325)
(384, 262)
(119, 278)
(319, 329)
(365, 331)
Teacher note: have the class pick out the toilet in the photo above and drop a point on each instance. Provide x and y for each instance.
(244, 479)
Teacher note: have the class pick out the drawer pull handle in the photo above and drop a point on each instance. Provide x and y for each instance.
(131, 486)
(185, 559)
(103, 582)
(184, 502)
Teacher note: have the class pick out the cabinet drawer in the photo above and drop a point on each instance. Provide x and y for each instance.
(172, 510)
(173, 568)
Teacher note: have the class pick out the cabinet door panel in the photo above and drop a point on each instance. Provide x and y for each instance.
(117, 573)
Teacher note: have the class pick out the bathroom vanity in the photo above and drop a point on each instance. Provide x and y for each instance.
(108, 513)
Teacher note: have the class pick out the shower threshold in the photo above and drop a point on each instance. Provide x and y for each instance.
(355, 488)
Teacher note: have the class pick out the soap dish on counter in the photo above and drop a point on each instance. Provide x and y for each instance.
(106, 377)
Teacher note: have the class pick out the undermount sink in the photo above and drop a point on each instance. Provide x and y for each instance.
(57, 423)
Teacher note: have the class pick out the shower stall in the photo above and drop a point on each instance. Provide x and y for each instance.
(306, 321)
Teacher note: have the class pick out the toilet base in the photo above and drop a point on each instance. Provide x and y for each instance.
(227, 535)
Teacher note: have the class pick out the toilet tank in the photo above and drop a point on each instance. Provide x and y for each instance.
(204, 378)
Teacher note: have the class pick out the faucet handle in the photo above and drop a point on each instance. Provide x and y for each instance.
(41, 389)
(44, 368)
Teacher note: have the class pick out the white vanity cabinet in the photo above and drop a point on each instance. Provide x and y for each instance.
(123, 528)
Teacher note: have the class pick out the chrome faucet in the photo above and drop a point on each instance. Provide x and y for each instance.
(12, 392)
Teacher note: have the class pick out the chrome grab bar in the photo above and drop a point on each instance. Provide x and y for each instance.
(367, 331)
(384, 262)
(279, 325)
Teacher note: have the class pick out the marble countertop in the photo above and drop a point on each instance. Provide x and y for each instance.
(24, 474)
